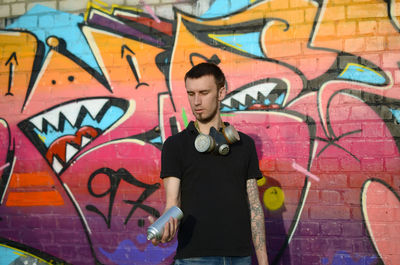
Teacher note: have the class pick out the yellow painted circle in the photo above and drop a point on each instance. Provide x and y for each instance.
(53, 42)
(273, 198)
(261, 181)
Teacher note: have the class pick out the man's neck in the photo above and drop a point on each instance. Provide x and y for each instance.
(205, 127)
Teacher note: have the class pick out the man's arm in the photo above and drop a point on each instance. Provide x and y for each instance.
(172, 187)
(257, 222)
(172, 196)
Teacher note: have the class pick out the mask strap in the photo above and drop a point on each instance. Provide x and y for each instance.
(196, 124)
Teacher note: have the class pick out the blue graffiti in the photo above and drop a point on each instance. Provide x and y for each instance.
(7, 255)
(226, 7)
(246, 42)
(344, 258)
(361, 73)
(396, 114)
(45, 22)
(51, 134)
(127, 252)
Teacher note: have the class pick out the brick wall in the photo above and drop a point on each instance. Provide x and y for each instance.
(90, 90)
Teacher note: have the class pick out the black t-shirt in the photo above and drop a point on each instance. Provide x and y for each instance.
(214, 199)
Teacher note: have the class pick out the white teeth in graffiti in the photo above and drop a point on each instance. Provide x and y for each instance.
(84, 141)
(70, 151)
(70, 111)
(264, 89)
(57, 166)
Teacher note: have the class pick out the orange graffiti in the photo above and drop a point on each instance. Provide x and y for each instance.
(34, 198)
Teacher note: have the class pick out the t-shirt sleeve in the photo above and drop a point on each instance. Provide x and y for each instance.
(254, 169)
(170, 161)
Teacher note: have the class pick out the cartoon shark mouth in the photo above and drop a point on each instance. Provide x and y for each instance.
(260, 95)
(61, 132)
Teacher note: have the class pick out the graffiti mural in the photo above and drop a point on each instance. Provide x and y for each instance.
(88, 100)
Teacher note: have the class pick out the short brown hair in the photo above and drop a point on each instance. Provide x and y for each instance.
(204, 69)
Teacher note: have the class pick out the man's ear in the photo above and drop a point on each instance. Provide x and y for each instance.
(221, 93)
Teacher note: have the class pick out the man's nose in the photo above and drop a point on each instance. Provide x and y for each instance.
(197, 100)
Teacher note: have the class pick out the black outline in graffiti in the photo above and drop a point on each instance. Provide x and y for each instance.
(115, 178)
(13, 58)
(131, 63)
(33, 251)
(10, 158)
(371, 238)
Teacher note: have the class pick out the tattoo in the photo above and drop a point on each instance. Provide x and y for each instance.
(256, 215)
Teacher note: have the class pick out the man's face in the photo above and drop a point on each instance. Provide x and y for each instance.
(204, 97)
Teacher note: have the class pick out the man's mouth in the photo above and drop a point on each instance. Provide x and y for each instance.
(260, 95)
(61, 132)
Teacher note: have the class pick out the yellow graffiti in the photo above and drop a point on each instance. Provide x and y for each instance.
(273, 198)
(261, 181)
(217, 36)
(359, 68)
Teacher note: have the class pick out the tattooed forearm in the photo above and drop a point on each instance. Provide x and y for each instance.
(257, 221)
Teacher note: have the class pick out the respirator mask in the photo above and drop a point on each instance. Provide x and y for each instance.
(216, 141)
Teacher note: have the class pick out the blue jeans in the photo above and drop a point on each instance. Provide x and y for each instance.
(215, 261)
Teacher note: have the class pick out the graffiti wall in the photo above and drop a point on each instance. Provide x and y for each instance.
(86, 102)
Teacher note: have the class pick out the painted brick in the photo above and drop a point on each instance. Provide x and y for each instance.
(393, 42)
(366, 11)
(170, 1)
(188, 8)
(385, 27)
(345, 28)
(329, 212)
(349, 164)
(296, 16)
(70, 5)
(18, 9)
(329, 29)
(165, 10)
(331, 229)
(309, 228)
(334, 13)
(50, 4)
(330, 197)
(4, 10)
(132, 2)
(372, 164)
(310, 259)
(372, 129)
(367, 26)
(328, 164)
(375, 44)
(333, 180)
(355, 213)
(390, 60)
(361, 245)
(352, 229)
(351, 196)
(354, 44)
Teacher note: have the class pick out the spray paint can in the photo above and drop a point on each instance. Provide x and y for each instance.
(157, 228)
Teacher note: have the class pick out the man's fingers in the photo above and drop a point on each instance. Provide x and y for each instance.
(166, 232)
(169, 232)
(155, 242)
(175, 226)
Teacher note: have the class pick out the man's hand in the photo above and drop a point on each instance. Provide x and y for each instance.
(169, 231)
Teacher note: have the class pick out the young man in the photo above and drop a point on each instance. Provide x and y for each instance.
(218, 194)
